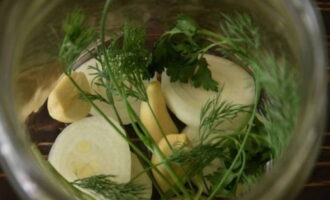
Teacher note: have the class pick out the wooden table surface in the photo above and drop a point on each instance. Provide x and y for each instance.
(318, 185)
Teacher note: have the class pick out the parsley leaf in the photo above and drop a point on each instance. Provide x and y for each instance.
(203, 77)
(180, 52)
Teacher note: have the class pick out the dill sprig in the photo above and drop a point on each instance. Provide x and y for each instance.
(216, 112)
(91, 97)
(213, 139)
(280, 108)
(243, 151)
(197, 158)
(142, 133)
(103, 186)
(77, 38)
(128, 59)
(126, 62)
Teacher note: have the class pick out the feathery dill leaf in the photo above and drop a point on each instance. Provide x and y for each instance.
(88, 96)
(240, 32)
(77, 38)
(275, 77)
(214, 113)
(179, 51)
(103, 186)
(250, 167)
(238, 38)
(245, 153)
(280, 108)
(128, 59)
(247, 171)
(197, 158)
(213, 142)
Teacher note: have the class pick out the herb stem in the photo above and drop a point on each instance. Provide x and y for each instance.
(117, 113)
(199, 192)
(146, 170)
(211, 34)
(127, 139)
(113, 104)
(254, 111)
(160, 153)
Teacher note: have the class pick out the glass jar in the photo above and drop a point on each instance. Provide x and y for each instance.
(29, 37)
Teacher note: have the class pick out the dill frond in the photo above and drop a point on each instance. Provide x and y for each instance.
(103, 186)
(281, 107)
(215, 112)
(126, 62)
(128, 59)
(240, 32)
(77, 38)
(88, 96)
(197, 158)
(245, 152)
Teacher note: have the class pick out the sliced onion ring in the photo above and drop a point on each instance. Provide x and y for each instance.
(186, 101)
(89, 147)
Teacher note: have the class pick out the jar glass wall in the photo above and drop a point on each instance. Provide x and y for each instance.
(29, 48)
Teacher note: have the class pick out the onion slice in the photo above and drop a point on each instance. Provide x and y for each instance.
(89, 147)
(186, 101)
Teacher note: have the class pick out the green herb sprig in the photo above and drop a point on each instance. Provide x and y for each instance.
(216, 112)
(103, 185)
(180, 52)
(77, 38)
(126, 62)
(128, 59)
(91, 97)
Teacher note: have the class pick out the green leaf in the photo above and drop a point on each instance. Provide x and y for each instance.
(203, 77)
(186, 26)
(179, 51)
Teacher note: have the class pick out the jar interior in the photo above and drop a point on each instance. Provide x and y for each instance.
(38, 69)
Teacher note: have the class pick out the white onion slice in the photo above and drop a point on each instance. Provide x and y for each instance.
(143, 179)
(186, 101)
(91, 147)
(106, 108)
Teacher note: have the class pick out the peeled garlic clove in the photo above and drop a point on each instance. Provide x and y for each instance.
(186, 101)
(64, 103)
(176, 141)
(143, 179)
(158, 106)
(90, 147)
(193, 134)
